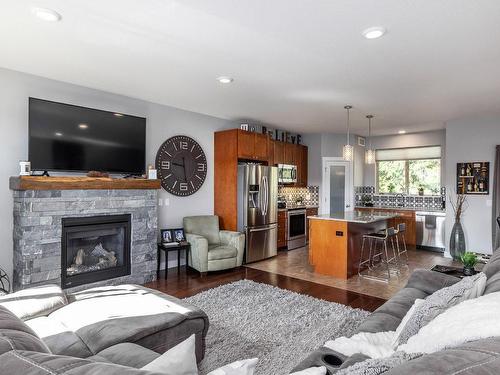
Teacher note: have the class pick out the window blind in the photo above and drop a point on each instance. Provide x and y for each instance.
(410, 153)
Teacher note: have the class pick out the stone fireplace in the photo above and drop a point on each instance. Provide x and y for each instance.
(84, 237)
(94, 248)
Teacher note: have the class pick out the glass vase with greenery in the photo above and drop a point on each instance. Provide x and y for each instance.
(457, 239)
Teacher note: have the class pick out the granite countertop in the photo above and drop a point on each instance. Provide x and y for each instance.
(354, 217)
(404, 208)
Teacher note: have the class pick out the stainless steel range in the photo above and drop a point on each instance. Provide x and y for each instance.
(296, 228)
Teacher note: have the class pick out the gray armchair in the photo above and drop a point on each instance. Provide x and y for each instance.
(212, 249)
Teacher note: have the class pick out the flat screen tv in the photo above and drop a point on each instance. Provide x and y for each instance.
(65, 137)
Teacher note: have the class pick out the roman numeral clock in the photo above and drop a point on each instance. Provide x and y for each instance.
(181, 165)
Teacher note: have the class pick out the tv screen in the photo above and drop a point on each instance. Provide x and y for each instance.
(65, 137)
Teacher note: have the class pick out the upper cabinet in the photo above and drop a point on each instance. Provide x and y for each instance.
(252, 146)
(279, 152)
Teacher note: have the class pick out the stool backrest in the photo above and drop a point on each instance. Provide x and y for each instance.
(390, 232)
(401, 227)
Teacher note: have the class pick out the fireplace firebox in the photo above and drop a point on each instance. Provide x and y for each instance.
(94, 248)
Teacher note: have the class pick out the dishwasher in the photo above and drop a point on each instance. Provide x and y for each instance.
(430, 230)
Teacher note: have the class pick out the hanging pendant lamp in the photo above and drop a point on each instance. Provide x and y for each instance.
(348, 150)
(370, 152)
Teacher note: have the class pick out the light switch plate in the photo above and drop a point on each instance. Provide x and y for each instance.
(167, 202)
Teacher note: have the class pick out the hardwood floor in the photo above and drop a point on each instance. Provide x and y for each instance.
(180, 283)
(295, 264)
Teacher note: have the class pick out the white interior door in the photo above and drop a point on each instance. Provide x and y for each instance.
(338, 186)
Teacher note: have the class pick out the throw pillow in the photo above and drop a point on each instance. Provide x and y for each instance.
(470, 320)
(441, 300)
(409, 315)
(312, 371)
(245, 367)
(34, 302)
(179, 360)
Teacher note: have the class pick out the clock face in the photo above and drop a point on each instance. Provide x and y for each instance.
(181, 165)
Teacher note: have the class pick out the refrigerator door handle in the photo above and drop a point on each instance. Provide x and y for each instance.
(262, 229)
(266, 194)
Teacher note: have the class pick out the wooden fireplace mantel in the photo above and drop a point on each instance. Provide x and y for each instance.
(80, 183)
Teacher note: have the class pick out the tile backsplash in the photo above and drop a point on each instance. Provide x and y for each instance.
(309, 195)
(433, 202)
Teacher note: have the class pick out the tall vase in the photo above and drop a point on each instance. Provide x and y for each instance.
(457, 240)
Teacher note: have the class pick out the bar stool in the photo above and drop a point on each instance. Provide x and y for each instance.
(400, 234)
(382, 238)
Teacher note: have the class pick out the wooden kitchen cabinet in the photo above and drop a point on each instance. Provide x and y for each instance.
(278, 152)
(405, 216)
(252, 146)
(301, 159)
(282, 228)
(290, 153)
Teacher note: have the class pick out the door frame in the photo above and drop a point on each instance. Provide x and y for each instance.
(326, 160)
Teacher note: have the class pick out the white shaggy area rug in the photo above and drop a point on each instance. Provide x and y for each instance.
(249, 319)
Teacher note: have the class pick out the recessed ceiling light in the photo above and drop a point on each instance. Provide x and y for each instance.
(402, 132)
(118, 114)
(374, 32)
(58, 134)
(225, 79)
(46, 14)
(83, 126)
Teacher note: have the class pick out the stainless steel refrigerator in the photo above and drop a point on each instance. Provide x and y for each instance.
(258, 210)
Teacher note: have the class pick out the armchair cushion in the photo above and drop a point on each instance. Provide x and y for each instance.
(206, 226)
(221, 252)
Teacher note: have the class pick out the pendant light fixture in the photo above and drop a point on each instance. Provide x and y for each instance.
(370, 152)
(348, 150)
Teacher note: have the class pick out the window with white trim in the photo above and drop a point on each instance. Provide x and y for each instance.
(407, 170)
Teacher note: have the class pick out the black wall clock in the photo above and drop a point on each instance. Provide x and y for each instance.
(181, 165)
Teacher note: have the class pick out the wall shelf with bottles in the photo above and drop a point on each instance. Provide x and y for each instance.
(473, 178)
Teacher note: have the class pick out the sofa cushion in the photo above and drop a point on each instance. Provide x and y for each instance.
(33, 363)
(388, 316)
(221, 252)
(33, 302)
(206, 226)
(127, 354)
(58, 337)
(493, 266)
(15, 334)
(472, 358)
(106, 316)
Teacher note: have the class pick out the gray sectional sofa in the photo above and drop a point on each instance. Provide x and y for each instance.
(108, 330)
(473, 358)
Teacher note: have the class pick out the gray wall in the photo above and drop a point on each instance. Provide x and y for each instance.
(162, 122)
(472, 139)
(432, 138)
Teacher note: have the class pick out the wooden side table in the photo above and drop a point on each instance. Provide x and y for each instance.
(181, 246)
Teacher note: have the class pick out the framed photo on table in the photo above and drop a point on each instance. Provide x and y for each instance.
(166, 236)
(178, 235)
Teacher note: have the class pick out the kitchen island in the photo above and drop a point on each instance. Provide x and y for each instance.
(335, 240)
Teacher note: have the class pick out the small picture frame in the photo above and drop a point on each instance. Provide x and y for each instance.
(361, 141)
(166, 236)
(244, 127)
(178, 235)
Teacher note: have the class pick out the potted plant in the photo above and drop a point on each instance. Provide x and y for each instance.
(421, 190)
(457, 239)
(469, 260)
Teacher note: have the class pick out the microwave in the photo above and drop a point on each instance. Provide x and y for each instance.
(287, 174)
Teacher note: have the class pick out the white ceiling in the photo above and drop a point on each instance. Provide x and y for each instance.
(295, 63)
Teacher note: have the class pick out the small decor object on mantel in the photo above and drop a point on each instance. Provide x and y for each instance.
(244, 127)
(473, 178)
(469, 260)
(181, 165)
(24, 168)
(152, 175)
(457, 239)
(97, 174)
